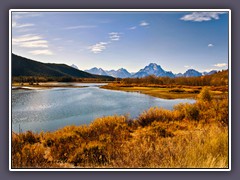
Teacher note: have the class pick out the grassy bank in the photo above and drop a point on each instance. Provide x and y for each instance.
(167, 92)
(190, 136)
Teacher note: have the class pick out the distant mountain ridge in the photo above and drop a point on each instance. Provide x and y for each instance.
(26, 67)
(151, 69)
(97, 71)
(120, 73)
(192, 73)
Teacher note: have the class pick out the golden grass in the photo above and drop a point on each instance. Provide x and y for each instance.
(190, 136)
(165, 92)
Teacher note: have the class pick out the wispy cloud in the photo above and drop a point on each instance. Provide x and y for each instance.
(23, 25)
(80, 27)
(41, 52)
(30, 41)
(26, 37)
(133, 27)
(220, 65)
(35, 44)
(186, 66)
(201, 16)
(19, 15)
(15, 24)
(99, 47)
(144, 23)
(114, 36)
(210, 45)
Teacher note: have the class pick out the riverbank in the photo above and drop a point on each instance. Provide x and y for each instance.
(165, 92)
(45, 85)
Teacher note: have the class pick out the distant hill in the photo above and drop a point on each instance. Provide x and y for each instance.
(210, 73)
(25, 67)
(192, 73)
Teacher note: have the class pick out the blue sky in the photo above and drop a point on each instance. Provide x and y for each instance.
(111, 40)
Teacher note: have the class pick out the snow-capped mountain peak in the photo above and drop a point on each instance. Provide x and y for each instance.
(74, 66)
(153, 69)
(97, 71)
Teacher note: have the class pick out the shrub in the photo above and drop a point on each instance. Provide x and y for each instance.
(89, 154)
(115, 126)
(29, 137)
(191, 112)
(154, 114)
(204, 95)
(31, 156)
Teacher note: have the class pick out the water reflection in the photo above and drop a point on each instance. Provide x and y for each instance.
(51, 109)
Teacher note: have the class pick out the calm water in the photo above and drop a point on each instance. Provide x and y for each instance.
(51, 109)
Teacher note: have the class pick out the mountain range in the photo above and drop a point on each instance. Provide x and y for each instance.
(120, 73)
(151, 69)
(26, 67)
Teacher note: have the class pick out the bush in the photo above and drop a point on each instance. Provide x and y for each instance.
(204, 95)
(154, 114)
(191, 112)
(30, 156)
(89, 154)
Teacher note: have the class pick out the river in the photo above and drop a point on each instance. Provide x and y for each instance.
(50, 109)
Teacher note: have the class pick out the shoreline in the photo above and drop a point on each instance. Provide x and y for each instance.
(163, 93)
(42, 86)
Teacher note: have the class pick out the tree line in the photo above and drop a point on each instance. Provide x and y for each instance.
(217, 79)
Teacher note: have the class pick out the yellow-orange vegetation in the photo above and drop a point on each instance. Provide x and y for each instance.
(189, 136)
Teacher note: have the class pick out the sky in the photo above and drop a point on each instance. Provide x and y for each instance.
(176, 41)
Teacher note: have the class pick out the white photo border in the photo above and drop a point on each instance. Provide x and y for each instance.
(119, 10)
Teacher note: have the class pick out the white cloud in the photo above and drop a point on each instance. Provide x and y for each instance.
(186, 66)
(114, 36)
(133, 27)
(22, 25)
(19, 15)
(220, 65)
(30, 41)
(144, 23)
(24, 38)
(41, 52)
(80, 27)
(35, 44)
(97, 48)
(201, 16)
(210, 45)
